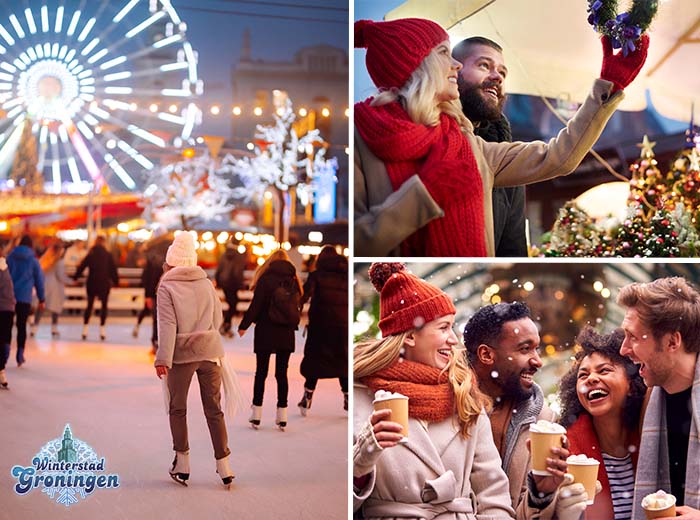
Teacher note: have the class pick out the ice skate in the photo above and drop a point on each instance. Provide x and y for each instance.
(305, 403)
(255, 415)
(281, 419)
(224, 471)
(345, 401)
(85, 331)
(54, 332)
(3, 379)
(103, 333)
(180, 472)
(135, 332)
(32, 330)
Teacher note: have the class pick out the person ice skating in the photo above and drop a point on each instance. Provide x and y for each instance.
(449, 468)
(26, 276)
(326, 352)
(423, 180)
(189, 317)
(102, 276)
(7, 313)
(55, 280)
(150, 276)
(229, 276)
(275, 310)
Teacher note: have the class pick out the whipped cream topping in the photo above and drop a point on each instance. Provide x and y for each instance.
(543, 426)
(384, 395)
(658, 500)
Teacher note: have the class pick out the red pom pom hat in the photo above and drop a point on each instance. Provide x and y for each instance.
(406, 302)
(396, 48)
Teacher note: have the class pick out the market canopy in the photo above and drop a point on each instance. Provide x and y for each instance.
(552, 51)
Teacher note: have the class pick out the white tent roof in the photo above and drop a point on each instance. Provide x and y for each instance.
(551, 50)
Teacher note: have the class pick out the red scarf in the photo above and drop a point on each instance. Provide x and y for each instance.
(408, 148)
(430, 395)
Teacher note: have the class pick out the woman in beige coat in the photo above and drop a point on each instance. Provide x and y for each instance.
(448, 466)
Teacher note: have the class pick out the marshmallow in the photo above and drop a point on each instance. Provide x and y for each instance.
(658, 500)
(543, 426)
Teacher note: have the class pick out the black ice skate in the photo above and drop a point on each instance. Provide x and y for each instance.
(305, 403)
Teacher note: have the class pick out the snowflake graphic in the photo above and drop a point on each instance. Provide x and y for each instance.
(67, 495)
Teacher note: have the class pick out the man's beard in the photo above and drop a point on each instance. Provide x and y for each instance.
(512, 387)
(476, 107)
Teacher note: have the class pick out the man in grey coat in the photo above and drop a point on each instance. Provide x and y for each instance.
(662, 335)
(502, 345)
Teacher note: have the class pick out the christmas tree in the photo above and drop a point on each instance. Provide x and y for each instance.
(188, 191)
(661, 237)
(574, 234)
(24, 171)
(282, 161)
(648, 186)
(629, 238)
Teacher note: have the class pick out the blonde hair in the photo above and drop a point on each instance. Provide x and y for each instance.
(51, 257)
(372, 356)
(279, 254)
(419, 93)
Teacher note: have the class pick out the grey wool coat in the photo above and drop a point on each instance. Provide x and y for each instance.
(653, 467)
(384, 218)
(437, 474)
(189, 317)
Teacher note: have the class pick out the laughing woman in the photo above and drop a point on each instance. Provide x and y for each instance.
(601, 398)
(449, 468)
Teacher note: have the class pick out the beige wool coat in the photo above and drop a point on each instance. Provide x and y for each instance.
(437, 474)
(383, 218)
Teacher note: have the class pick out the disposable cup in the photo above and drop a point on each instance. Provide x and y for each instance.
(541, 444)
(399, 412)
(586, 473)
(669, 511)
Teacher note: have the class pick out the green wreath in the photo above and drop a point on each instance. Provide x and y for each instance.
(625, 28)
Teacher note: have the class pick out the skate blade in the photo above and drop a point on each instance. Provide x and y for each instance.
(177, 479)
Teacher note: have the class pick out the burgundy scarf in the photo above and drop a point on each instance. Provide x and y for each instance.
(408, 148)
(430, 395)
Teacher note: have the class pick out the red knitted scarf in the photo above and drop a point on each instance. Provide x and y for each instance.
(408, 148)
(430, 395)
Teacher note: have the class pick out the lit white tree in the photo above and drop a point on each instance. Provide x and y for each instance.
(282, 160)
(189, 191)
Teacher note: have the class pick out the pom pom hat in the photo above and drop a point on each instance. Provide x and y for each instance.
(181, 252)
(406, 301)
(396, 48)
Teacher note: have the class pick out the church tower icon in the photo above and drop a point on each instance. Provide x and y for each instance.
(67, 452)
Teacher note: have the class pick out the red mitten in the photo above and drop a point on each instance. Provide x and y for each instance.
(447, 181)
(620, 69)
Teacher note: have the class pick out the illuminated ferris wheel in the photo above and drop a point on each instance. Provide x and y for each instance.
(94, 79)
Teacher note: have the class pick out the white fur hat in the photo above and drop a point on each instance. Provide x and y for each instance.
(181, 252)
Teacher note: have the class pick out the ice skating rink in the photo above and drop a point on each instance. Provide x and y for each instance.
(110, 395)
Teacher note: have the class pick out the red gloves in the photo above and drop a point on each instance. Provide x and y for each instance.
(619, 69)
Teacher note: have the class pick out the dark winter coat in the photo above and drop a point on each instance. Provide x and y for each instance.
(231, 269)
(508, 203)
(326, 349)
(102, 275)
(26, 274)
(151, 274)
(269, 337)
(7, 293)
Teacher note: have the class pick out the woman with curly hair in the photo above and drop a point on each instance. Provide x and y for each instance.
(449, 467)
(601, 397)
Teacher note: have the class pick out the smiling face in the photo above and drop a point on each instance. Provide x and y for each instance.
(516, 358)
(601, 385)
(640, 345)
(481, 83)
(432, 343)
(449, 67)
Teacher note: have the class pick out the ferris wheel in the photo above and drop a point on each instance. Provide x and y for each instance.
(104, 86)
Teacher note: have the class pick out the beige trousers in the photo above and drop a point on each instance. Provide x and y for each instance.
(209, 377)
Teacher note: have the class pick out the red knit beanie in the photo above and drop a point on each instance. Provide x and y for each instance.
(396, 48)
(406, 301)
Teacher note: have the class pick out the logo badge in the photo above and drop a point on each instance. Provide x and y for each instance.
(66, 469)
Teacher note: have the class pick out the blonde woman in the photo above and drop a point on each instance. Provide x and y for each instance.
(449, 467)
(423, 180)
(55, 280)
(275, 310)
